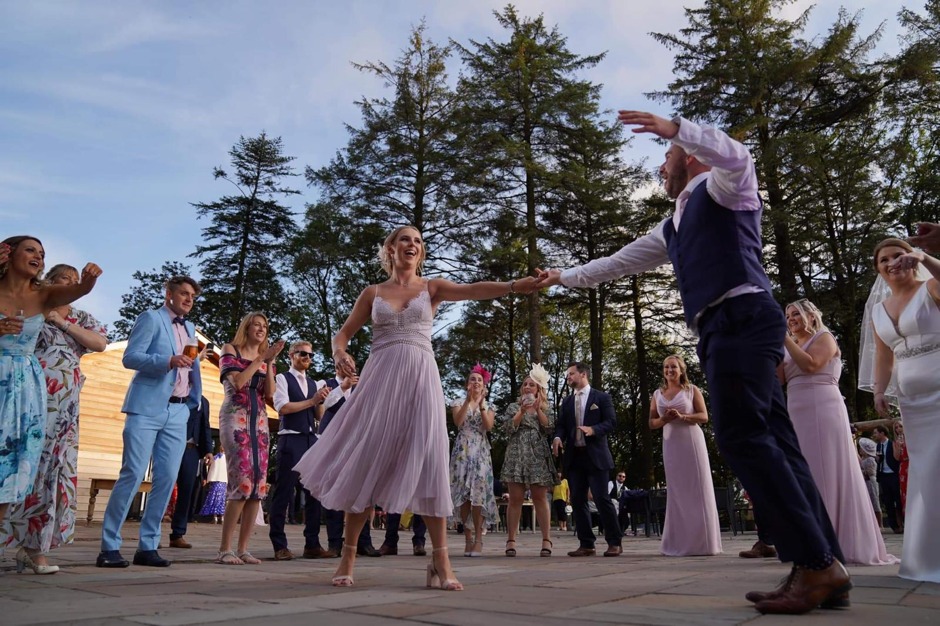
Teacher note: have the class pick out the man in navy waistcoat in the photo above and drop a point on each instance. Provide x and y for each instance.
(713, 241)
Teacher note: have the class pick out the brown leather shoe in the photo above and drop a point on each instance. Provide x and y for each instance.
(837, 602)
(583, 552)
(319, 553)
(759, 550)
(809, 589)
(283, 555)
(420, 551)
(179, 542)
(614, 551)
(386, 550)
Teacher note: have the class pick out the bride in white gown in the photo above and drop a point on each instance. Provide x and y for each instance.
(906, 361)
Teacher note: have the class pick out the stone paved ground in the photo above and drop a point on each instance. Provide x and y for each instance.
(640, 587)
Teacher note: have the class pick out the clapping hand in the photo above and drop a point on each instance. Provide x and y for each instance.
(273, 350)
(320, 396)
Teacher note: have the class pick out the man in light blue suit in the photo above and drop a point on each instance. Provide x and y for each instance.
(165, 387)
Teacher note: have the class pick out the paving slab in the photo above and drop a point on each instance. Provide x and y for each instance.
(640, 587)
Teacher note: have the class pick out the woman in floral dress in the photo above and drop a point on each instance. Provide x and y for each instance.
(471, 466)
(528, 459)
(46, 519)
(247, 365)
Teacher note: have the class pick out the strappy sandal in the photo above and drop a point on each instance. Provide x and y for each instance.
(474, 551)
(228, 558)
(546, 551)
(345, 580)
(247, 559)
(434, 578)
(511, 551)
(468, 546)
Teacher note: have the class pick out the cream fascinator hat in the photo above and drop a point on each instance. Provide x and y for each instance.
(539, 375)
(867, 446)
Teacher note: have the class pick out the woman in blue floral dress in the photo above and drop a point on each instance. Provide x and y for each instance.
(247, 365)
(46, 519)
(24, 302)
(471, 466)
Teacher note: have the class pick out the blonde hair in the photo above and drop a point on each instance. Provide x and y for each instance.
(241, 335)
(386, 259)
(542, 405)
(810, 314)
(683, 373)
(59, 270)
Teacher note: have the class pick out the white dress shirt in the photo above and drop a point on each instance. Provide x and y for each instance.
(732, 183)
(281, 396)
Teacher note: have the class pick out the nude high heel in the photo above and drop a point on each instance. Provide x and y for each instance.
(345, 580)
(23, 560)
(434, 577)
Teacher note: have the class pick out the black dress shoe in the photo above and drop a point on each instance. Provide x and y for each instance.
(110, 558)
(150, 558)
(367, 551)
(420, 551)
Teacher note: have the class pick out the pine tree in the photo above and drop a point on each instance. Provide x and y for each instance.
(246, 238)
(150, 293)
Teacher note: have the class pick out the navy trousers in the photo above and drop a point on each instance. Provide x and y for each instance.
(582, 476)
(335, 522)
(740, 345)
(185, 491)
(393, 521)
(289, 450)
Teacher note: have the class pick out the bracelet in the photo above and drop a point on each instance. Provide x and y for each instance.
(512, 286)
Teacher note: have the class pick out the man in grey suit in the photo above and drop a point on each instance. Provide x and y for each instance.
(165, 387)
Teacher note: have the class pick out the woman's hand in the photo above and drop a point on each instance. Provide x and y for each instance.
(344, 363)
(11, 326)
(525, 285)
(271, 353)
(881, 404)
(55, 319)
(907, 261)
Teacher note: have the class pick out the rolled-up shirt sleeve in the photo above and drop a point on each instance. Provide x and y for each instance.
(336, 394)
(280, 392)
(733, 179)
(646, 253)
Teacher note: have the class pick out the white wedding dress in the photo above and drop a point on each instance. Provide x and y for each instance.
(915, 340)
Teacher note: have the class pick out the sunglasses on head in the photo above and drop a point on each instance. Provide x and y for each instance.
(303, 354)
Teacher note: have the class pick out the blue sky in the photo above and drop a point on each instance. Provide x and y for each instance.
(113, 114)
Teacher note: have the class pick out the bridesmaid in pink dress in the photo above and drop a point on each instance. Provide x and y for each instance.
(691, 527)
(811, 368)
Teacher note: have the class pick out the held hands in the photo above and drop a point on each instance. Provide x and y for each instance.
(648, 123)
(906, 261)
(525, 285)
(271, 353)
(345, 365)
(548, 278)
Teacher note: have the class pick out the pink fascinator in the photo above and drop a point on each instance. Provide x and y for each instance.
(479, 369)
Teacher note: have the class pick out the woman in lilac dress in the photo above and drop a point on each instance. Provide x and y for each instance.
(691, 527)
(387, 446)
(811, 368)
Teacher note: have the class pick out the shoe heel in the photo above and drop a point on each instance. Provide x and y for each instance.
(434, 580)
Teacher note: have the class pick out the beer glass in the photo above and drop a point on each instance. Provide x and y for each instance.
(191, 349)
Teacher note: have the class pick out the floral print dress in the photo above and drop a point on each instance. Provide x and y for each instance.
(243, 430)
(528, 458)
(22, 411)
(471, 467)
(46, 519)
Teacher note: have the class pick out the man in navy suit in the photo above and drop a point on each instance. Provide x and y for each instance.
(165, 388)
(587, 415)
(198, 446)
(889, 482)
(713, 240)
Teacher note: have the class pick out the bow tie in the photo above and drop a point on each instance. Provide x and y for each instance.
(179, 320)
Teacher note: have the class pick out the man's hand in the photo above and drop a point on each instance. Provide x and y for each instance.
(587, 430)
(178, 361)
(320, 396)
(649, 123)
(349, 382)
(927, 237)
(556, 446)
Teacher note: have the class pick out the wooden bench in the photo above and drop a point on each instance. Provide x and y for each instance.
(107, 484)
